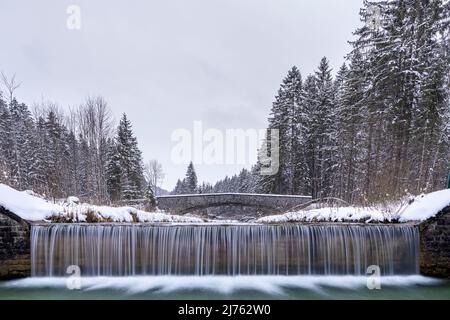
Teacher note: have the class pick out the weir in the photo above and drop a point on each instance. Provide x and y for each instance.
(246, 249)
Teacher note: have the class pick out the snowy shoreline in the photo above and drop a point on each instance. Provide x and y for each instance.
(31, 207)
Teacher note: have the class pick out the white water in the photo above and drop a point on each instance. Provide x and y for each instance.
(129, 250)
(220, 284)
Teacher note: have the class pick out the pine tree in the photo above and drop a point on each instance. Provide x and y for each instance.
(125, 166)
(310, 103)
(23, 146)
(190, 181)
(84, 169)
(150, 198)
(5, 141)
(114, 173)
(73, 164)
(178, 187)
(205, 188)
(351, 137)
(40, 185)
(431, 116)
(399, 58)
(243, 181)
(56, 155)
(284, 118)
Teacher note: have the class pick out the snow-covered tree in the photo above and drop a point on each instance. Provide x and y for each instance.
(351, 86)
(125, 168)
(190, 183)
(284, 117)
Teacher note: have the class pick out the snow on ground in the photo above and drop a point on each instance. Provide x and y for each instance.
(26, 204)
(333, 214)
(420, 208)
(124, 214)
(30, 206)
(426, 206)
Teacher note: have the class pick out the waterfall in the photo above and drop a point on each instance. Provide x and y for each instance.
(290, 249)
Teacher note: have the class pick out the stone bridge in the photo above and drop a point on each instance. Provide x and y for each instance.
(230, 205)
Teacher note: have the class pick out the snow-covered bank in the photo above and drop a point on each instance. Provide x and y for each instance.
(330, 214)
(30, 206)
(122, 214)
(425, 206)
(420, 208)
(26, 204)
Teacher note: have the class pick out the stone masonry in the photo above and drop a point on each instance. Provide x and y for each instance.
(15, 232)
(14, 246)
(435, 245)
(225, 204)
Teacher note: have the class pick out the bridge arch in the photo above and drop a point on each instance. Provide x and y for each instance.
(230, 204)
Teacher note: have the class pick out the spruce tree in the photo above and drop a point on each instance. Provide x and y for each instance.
(23, 145)
(126, 163)
(190, 181)
(178, 187)
(310, 103)
(5, 141)
(350, 136)
(284, 118)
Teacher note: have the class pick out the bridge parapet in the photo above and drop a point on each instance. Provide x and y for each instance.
(230, 204)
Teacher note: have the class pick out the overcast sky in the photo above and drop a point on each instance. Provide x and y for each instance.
(169, 63)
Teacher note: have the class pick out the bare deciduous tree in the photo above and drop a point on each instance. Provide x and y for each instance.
(154, 175)
(10, 84)
(94, 123)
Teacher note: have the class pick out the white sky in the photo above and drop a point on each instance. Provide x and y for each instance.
(169, 63)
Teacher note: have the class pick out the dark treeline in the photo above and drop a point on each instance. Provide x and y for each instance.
(380, 128)
(80, 154)
(188, 185)
(244, 183)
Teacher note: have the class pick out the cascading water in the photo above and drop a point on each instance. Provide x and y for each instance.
(138, 249)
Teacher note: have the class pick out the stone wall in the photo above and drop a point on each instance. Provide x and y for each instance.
(15, 260)
(435, 245)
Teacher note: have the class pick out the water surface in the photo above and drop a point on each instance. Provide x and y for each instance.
(227, 287)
